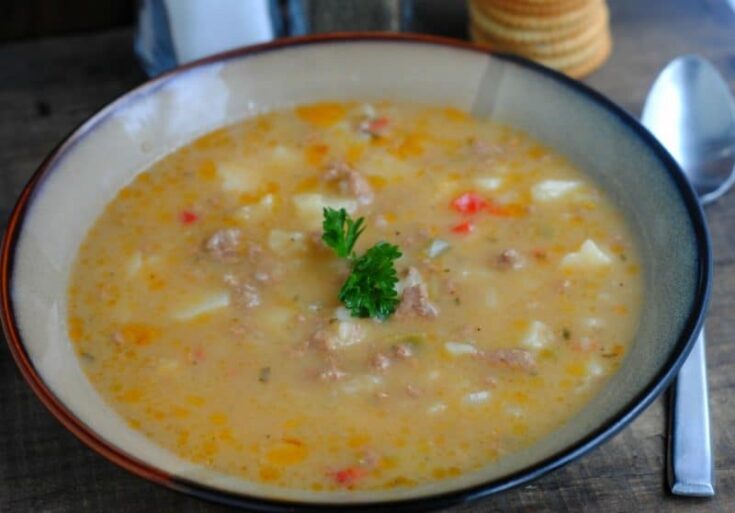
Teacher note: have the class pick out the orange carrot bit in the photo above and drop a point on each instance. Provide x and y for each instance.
(207, 170)
(188, 216)
(354, 153)
(464, 228)
(620, 309)
(456, 114)
(218, 139)
(536, 152)
(315, 153)
(322, 115)
(76, 329)
(411, 146)
(378, 182)
(510, 210)
(138, 334)
(288, 451)
(614, 352)
(349, 476)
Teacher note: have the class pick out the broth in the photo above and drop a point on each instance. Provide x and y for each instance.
(204, 305)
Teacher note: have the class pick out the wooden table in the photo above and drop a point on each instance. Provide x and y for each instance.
(49, 86)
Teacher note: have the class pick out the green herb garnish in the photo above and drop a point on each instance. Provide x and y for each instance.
(341, 232)
(370, 289)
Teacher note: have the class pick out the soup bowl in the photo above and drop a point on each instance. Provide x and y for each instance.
(85, 171)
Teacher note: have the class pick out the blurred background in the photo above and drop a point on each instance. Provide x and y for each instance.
(572, 36)
(172, 31)
(29, 18)
(569, 35)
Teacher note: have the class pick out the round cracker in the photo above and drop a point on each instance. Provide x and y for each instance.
(528, 8)
(594, 62)
(542, 46)
(531, 21)
(537, 50)
(595, 19)
(575, 64)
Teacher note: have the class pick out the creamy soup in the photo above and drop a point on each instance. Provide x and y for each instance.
(205, 304)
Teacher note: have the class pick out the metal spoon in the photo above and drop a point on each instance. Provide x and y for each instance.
(691, 111)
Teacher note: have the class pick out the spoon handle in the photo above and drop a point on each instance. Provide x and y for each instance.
(690, 451)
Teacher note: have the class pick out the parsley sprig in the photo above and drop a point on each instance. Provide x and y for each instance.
(341, 232)
(370, 289)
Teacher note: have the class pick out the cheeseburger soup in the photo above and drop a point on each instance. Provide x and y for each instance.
(230, 306)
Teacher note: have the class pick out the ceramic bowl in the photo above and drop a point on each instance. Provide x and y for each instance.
(86, 170)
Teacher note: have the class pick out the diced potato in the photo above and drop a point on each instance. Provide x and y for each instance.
(367, 110)
(589, 371)
(238, 177)
(285, 243)
(478, 397)
(435, 408)
(342, 314)
(445, 190)
(491, 298)
(605, 297)
(167, 365)
(589, 256)
(310, 207)
(358, 384)
(387, 166)
(489, 183)
(594, 368)
(551, 190)
(340, 335)
(437, 247)
(513, 410)
(278, 320)
(257, 211)
(135, 262)
(348, 333)
(412, 279)
(152, 260)
(286, 156)
(538, 336)
(209, 304)
(460, 348)
(594, 322)
(475, 275)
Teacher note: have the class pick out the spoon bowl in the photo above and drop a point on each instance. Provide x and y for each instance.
(691, 111)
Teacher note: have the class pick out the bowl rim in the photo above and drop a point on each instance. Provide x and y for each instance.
(621, 418)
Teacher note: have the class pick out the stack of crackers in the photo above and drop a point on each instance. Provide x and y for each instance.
(572, 36)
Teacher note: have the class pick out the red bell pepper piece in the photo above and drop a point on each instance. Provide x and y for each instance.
(464, 227)
(347, 477)
(469, 203)
(377, 125)
(188, 217)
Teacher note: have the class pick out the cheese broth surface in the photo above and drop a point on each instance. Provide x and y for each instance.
(204, 306)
